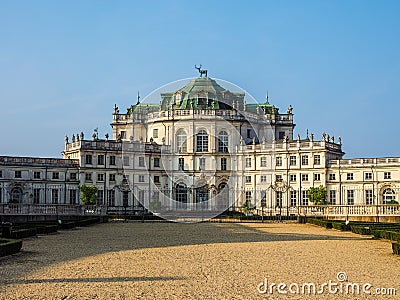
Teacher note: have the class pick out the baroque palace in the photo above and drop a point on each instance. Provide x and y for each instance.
(202, 147)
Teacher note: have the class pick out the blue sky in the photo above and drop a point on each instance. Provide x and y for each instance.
(63, 64)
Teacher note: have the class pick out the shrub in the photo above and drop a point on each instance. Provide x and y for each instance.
(8, 246)
(396, 248)
(320, 222)
(386, 234)
(340, 226)
(23, 233)
(360, 229)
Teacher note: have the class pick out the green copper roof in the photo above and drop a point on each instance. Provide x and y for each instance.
(202, 84)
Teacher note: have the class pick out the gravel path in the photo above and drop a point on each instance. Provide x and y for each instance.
(195, 261)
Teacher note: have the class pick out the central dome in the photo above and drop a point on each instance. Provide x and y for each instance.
(202, 93)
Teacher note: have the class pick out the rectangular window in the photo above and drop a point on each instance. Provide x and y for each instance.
(141, 178)
(292, 160)
(387, 175)
(279, 161)
(100, 159)
(100, 197)
(112, 177)
(332, 176)
(248, 179)
(141, 197)
(202, 163)
(141, 161)
(54, 196)
(292, 177)
(126, 160)
(88, 159)
(304, 177)
(248, 196)
(263, 178)
(202, 141)
(155, 195)
(36, 175)
(279, 198)
(263, 161)
(156, 179)
(278, 178)
(123, 134)
(317, 159)
(72, 196)
(350, 197)
(18, 174)
(1, 195)
(281, 135)
(263, 198)
(112, 160)
(248, 162)
(181, 163)
(317, 177)
(350, 176)
(368, 176)
(1, 173)
(155, 133)
(125, 198)
(100, 177)
(304, 160)
(304, 198)
(223, 163)
(293, 198)
(369, 198)
(88, 177)
(56, 175)
(249, 133)
(36, 196)
(156, 162)
(332, 197)
(111, 197)
(72, 176)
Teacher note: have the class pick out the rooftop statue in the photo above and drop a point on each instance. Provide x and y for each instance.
(202, 72)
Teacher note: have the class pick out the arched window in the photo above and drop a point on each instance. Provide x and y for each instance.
(223, 142)
(181, 195)
(181, 141)
(16, 195)
(202, 141)
(388, 195)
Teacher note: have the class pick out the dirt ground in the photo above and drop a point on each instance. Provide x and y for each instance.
(200, 261)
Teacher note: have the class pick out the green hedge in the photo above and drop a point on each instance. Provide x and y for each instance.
(23, 233)
(396, 248)
(340, 226)
(87, 222)
(320, 222)
(387, 234)
(8, 246)
(360, 229)
(45, 229)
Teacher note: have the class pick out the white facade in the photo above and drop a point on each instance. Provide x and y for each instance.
(203, 146)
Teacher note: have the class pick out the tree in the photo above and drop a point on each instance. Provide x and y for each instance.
(392, 202)
(247, 207)
(155, 205)
(317, 195)
(88, 194)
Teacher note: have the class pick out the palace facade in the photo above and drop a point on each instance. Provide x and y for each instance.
(202, 147)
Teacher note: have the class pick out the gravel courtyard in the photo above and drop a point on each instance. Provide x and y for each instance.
(195, 261)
